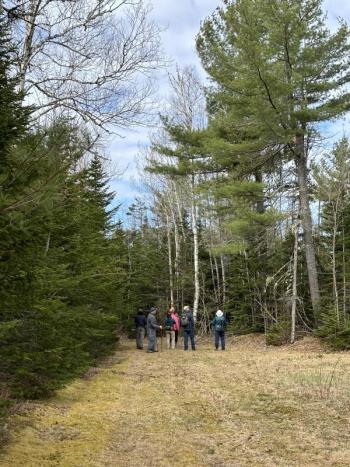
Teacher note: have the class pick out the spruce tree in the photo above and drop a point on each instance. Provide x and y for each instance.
(13, 115)
(332, 175)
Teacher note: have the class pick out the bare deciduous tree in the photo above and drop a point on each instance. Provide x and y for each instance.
(188, 109)
(87, 59)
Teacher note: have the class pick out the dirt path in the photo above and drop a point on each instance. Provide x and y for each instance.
(248, 406)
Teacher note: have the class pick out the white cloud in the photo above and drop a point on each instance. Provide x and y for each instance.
(181, 20)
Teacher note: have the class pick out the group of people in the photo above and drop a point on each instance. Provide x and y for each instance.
(172, 325)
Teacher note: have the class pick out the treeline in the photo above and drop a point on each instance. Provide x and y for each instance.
(59, 271)
(247, 210)
(249, 180)
(67, 285)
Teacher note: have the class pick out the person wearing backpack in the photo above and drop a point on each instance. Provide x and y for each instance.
(152, 327)
(187, 323)
(140, 324)
(219, 324)
(170, 331)
(176, 318)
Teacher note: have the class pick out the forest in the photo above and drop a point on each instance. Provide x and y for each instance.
(246, 175)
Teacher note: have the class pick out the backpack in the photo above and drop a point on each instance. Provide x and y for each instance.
(184, 320)
(169, 324)
(219, 324)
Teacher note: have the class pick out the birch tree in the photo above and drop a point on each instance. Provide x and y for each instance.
(187, 110)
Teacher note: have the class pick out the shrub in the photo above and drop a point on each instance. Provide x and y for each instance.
(336, 332)
(278, 333)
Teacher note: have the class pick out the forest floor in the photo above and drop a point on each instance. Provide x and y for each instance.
(248, 406)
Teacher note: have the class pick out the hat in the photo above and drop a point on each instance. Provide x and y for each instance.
(153, 310)
(219, 313)
(186, 308)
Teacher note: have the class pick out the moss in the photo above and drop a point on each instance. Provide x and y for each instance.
(70, 430)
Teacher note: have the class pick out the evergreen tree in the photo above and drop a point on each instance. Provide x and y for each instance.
(332, 177)
(62, 254)
(13, 116)
(278, 72)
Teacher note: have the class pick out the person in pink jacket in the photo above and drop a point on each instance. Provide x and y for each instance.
(176, 326)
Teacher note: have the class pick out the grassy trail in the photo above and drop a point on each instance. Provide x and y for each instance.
(248, 406)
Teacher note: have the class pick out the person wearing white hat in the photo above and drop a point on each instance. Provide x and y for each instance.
(219, 324)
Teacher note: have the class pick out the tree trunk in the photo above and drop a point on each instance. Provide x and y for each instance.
(27, 44)
(177, 252)
(218, 281)
(307, 225)
(170, 260)
(344, 277)
(179, 234)
(194, 212)
(294, 289)
(334, 260)
(223, 275)
(260, 205)
(213, 278)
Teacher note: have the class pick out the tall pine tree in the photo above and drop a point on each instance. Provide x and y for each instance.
(278, 73)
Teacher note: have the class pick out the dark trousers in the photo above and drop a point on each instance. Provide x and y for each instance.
(189, 335)
(176, 337)
(140, 336)
(220, 335)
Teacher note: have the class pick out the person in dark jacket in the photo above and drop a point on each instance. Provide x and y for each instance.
(219, 324)
(140, 324)
(152, 327)
(187, 322)
(170, 331)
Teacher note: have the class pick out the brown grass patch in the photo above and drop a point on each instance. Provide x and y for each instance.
(248, 406)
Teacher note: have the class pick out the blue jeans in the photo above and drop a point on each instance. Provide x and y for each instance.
(189, 335)
(220, 335)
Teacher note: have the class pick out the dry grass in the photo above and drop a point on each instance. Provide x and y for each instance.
(248, 406)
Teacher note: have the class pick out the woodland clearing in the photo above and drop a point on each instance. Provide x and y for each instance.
(251, 405)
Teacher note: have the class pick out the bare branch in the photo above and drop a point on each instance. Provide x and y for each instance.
(92, 60)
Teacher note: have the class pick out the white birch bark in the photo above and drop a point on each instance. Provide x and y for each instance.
(170, 260)
(194, 215)
(223, 276)
(334, 260)
(177, 254)
(294, 288)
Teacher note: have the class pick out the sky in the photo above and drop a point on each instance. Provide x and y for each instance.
(180, 21)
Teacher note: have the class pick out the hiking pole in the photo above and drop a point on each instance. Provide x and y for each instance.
(161, 340)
